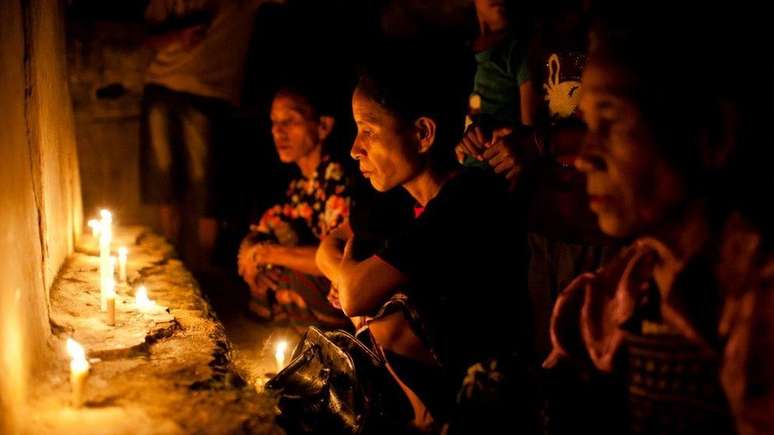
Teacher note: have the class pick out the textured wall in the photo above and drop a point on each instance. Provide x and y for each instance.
(103, 54)
(39, 189)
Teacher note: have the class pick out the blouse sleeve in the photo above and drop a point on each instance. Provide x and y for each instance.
(337, 198)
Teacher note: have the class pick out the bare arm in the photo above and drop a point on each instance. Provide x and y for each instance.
(299, 258)
(363, 286)
(331, 252)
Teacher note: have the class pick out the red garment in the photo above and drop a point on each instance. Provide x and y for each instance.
(589, 315)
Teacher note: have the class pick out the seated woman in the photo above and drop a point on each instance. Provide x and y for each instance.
(683, 319)
(276, 259)
(442, 295)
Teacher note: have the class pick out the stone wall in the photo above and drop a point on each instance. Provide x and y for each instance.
(107, 63)
(39, 189)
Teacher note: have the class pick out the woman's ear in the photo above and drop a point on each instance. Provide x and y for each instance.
(325, 127)
(425, 131)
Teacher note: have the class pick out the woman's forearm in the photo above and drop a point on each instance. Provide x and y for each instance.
(331, 251)
(299, 258)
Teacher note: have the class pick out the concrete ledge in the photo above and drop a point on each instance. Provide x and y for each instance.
(163, 373)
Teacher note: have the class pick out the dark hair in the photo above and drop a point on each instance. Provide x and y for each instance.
(412, 82)
(690, 77)
(312, 94)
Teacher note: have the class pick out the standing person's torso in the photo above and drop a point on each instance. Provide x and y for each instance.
(501, 69)
(213, 67)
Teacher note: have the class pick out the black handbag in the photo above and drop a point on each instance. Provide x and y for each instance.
(334, 384)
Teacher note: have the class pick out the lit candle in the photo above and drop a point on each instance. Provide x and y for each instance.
(106, 227)
(122, 252)
(141, 300)
(279, 355)
(95, 227)
(106, 273)
(110, 298)
(79, 370)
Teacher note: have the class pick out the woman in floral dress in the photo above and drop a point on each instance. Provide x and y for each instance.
(276, 258)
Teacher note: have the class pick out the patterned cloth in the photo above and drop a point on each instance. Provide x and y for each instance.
(721, 303)
(314, 207)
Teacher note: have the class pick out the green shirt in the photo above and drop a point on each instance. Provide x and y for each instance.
(501, 70)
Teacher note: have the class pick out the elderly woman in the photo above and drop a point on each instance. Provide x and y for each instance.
(684, 318)
(428, 291)
(276, 258)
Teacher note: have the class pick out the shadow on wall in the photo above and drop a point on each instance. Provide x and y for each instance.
(39, 191)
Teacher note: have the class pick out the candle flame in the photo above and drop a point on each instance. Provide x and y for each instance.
(141, 299)
(122, 252)
(106, 215)
(282, 346)
(279, 354)
(110, 288)
(75, 350)
(93, 224)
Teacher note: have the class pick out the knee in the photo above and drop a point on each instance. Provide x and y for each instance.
(387, 330)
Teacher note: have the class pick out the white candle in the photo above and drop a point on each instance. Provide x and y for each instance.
(106, 234)
(79, 370)
(95, 227)
(141, 300)
(279, 355)
(122, 253)
(110, 298)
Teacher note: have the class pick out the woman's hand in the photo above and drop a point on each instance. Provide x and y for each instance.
(473, 143)
(333, 297)
(501, 154)
(263, 253)
(264, 281)
(244, 263)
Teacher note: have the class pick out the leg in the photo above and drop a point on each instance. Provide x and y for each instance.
(158, 159)
(393, 333)
(197, 135)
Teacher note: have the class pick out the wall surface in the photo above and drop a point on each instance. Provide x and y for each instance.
(39, 189)
(106, 66)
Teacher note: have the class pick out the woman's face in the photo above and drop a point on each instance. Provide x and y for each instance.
(632, 188)
(492, 12)
(295, 128)
(384, 148)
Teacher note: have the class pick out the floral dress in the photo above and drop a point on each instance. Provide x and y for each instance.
(314, 207)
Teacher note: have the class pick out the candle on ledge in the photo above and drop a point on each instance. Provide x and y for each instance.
(106, 234)
(95, 227)
(279, 355)
(106, 229)
(79, 371)
(141, 300)
(110, 298)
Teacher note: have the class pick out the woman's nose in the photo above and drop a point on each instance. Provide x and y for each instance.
(356, 151)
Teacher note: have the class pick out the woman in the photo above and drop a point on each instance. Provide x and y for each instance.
(429, 290)
(684, 318)
(276, 259)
